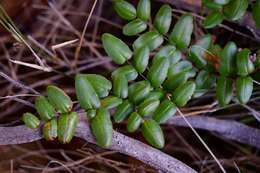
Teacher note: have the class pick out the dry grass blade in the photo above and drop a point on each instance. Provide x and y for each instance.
(9, 25)
(202, 141)
(77, 52)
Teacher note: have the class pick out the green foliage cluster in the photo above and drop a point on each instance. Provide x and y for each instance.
(55, 111)
(229, 9)
(148, 91)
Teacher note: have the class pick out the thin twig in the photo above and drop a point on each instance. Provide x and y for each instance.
(18, 84)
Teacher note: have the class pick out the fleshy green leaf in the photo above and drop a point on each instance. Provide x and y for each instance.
(30, 120)
(50, 130)
(134, 27)
(244, 89)
(228, 59)
(182, 66)
(213, 19)
(170, 52)
(211, 5)
(86, 94)
(59, 99)
(153, 133)
(116, 48)
(183, 93)
(182, 31)
(198, 51)
(147, 107)
(221, 2)
(127, 70)
(102, 128)
(67, 124)
(141, 59)
(164, 111)
(44, 108)
(138, 91)
(123, 111)
(144, 9)
(235, 9)
(134, 122)
(224, 90)
(244, 65)
(91, 113)
(256, 13)
(152, 39)
(172, 82)
(158, 71)
(124, 9)
(120, 86)
(101, 85)
(163, 19)
(111, 102)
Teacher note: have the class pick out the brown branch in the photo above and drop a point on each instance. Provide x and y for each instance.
(121, 143)
(139, 150)
(226, 128)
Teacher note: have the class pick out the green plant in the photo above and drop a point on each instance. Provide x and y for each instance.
(148, 93)
(229, 9)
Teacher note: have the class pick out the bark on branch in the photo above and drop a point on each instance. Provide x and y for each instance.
(121, 143)
(226, 128)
